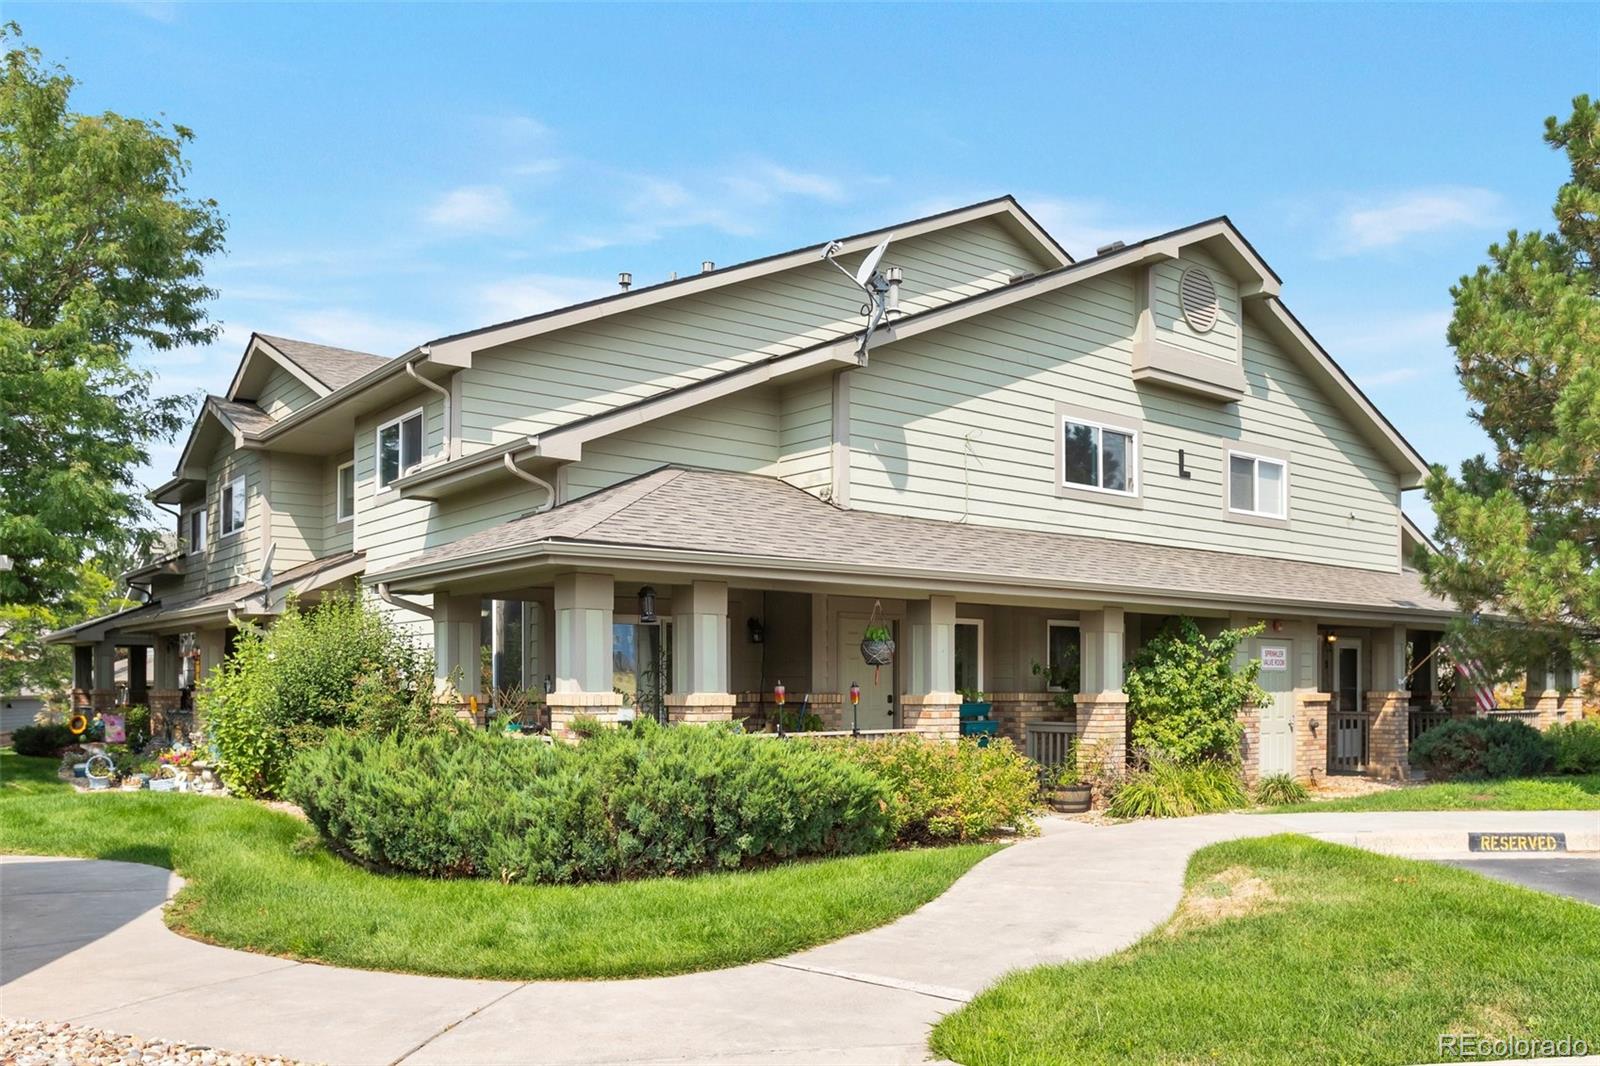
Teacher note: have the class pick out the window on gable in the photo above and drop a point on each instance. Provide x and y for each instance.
(1257, 486)
(196, 531)
(347, 492)
(399, 447)
(1097, 457)
(233, 506)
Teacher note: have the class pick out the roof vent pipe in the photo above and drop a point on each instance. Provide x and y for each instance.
(707, 266)
(624, 281)
(894, 276)
(1106, 249)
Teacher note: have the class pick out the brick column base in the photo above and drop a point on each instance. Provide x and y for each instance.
(1102, 730)
(1388, 743)
(565, 706)
(1546, 706)
(1250, 743)
(1311, 735)
(1015, 710)
(164, 704)
(936, 715)
(699, 708)
(102, 699)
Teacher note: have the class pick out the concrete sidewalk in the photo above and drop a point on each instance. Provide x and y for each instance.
(83, 941)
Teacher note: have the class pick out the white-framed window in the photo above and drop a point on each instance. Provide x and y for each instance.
(1063, 655)
(1098, 457)
(346, 488)
(969, 655)
(233, 507)
(1258, 485)
(195, 529)
(399, 447)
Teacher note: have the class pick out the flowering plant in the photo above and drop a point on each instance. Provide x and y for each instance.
(176, 758)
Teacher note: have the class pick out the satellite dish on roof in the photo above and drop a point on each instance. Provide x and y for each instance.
(871, 281)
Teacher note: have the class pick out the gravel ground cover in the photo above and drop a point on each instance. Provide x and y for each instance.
(25, 1043)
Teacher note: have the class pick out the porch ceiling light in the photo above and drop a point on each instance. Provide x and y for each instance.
(647, 605)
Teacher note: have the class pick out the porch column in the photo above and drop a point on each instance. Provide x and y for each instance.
(932, 707)
(164, 693)
(1389, 704)
(1102, 705)
(700, 654)
(104, 693)
(1542, 696)
(457, 667)
(584, 686)
(138, 687)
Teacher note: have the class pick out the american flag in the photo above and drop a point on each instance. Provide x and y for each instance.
(1472, 671)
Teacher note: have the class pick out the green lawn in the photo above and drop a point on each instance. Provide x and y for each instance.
(1578, 792)
(1288, 950)
(258, 880)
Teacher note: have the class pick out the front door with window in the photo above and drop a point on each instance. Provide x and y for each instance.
(1350, 726)
(877, 693)
(1276, 745)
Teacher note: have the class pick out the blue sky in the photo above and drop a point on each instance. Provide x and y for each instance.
(391, 173)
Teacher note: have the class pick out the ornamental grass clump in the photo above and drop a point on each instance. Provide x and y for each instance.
(1166, 788)
(942, 792)
(641, 802)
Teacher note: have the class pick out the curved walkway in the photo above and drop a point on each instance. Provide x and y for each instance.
(83, 941)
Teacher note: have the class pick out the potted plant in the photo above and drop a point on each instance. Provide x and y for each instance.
(975, 703)
(100, 771)
(877, 644)
(1063, 786)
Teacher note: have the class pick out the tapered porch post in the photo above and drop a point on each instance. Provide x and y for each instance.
(700, 654)
(457, 670)
(932, 707)
(1102, 705)
(1389, 703)
(584, 685)
(104, 693)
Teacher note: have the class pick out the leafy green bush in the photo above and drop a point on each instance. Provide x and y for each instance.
(624, 803)
(47, 739)
(1166, 788)
(338, 665)
(1278, 789)
(1576, 747)
(941, 792)
(1185, 693)
(1480, 748)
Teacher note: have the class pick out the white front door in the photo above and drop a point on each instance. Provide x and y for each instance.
(877, 692)
(1276, 747)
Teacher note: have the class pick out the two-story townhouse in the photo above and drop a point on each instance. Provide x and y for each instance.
(679, 498)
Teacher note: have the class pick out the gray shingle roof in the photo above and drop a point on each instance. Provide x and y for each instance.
(334, 367)
(247, 416)
(762, 518)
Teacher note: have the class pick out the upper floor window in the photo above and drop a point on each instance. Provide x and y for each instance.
(399, 447)
(196, 530)
(1257, 485)
(1096, 456)
(233, 506)
(347, 492)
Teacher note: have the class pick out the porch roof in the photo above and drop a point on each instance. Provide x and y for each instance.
(753, 525)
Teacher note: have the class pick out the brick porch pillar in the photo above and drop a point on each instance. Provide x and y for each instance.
(699, 708)
(1311, 735)
(936, 715)
(1388, 743)
(1102, 705)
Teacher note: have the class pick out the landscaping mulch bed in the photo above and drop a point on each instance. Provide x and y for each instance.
(52, 1043)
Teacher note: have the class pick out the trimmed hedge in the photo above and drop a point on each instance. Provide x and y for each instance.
(45, 740)
(1576, 747)
(942, 792)
(623, 804)
(1482, 748)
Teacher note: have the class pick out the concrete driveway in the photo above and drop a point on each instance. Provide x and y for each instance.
(83, 941)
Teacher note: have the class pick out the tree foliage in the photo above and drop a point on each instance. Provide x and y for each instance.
(1185, 693)
(25, 661)
(1519, 530)
(101, 253)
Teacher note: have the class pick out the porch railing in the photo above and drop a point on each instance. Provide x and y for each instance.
(1050, 743)
(1348, 747)
(1423, 719)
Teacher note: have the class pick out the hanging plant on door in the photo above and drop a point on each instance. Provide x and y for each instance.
(877, 642)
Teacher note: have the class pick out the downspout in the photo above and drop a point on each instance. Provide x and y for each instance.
(444, 393)
(550, 490)
(402, 603)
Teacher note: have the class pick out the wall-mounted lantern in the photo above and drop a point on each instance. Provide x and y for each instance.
(758, 632)
(647, 605)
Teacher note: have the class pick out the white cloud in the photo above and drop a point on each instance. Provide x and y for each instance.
(1397, 375)
(530, 294)
(472, 208)
(1380, 332)
(344, 327)
(1382, 222)
(765, 182)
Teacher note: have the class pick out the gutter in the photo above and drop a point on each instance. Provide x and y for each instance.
(449, 440)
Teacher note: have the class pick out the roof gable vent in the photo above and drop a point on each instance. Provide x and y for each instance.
(1197, 295)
